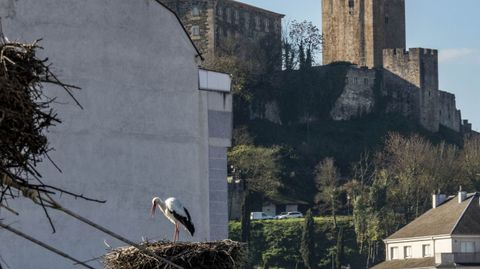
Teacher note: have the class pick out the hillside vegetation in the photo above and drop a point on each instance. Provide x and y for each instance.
(380, 169)
(276, 243)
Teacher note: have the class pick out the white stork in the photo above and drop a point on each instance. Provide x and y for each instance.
(174, 211)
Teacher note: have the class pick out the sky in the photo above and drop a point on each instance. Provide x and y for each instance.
(451, 26)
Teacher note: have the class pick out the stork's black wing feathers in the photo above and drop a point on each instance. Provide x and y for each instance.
(185, 220)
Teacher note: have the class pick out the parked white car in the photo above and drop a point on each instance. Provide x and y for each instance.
(259, 216)
(288, 215)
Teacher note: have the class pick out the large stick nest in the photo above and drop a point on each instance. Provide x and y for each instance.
(224, 254)
(25, 116)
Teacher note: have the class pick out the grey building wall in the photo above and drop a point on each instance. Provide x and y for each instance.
(224, 23)
(144, 132)
(220, 124)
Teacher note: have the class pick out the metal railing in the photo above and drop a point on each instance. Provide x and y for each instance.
(473, 257)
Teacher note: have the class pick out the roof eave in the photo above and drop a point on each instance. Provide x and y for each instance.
(199, 54)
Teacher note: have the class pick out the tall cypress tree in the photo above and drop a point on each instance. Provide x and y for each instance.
(308, 243)
(339, 249)
(309, 59)
(301, 56)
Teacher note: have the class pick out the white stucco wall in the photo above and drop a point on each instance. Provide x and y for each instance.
(443, 245)
(144, 131)
(437, 245)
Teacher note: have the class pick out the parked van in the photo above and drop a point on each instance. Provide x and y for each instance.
(259, 216)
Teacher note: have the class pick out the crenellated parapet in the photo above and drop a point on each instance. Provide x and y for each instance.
(419, 66)
(418, 69)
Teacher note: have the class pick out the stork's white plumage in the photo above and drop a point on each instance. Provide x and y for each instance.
(174, 211)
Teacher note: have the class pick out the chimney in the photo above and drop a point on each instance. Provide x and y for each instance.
(438, 199)
(462, 195)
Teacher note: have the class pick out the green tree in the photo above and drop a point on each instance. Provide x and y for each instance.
(260, 170)
(326, 181)
(241, 72)
(307, 247)
(301, 42)
(469, 161)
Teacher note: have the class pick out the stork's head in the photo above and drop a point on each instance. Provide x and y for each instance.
(155, 202)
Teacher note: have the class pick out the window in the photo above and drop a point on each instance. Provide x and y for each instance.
(351, 5)
(467, 247)
(407, 252)
(257, 23)
(267, 25)
(277, 25)
(195, 11)
(229, 15)
(195, 30)
(365, 81)
(247, 21)
(426, 251)
(386, 19)
(393, 253)
(220, 12)
(237, 17)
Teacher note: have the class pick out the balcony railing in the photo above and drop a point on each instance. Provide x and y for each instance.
(466, 257)
(458, 258)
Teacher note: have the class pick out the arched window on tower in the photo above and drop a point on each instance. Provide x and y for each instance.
(351, 6)
(195, 11)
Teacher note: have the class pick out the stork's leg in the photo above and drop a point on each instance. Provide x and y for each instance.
(174, 233)
(178, 231)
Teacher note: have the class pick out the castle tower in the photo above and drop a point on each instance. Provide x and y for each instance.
(417, 68)
(357, 31)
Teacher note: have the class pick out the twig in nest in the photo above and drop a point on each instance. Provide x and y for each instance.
(25, 116)
(224, 254)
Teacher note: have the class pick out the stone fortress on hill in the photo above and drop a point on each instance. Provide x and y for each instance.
(370, 34)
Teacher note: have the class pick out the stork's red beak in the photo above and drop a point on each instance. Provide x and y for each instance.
(152, 210)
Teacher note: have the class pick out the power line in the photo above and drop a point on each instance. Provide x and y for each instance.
(52, 249)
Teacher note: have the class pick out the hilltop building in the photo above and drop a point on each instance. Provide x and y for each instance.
(216, 24)
(446, 236)
(357, 31)
(153, 124)
(371, 35)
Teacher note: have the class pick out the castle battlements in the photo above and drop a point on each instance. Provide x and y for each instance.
(371, 33)
(412, 53)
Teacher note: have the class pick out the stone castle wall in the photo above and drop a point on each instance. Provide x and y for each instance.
(358, 97)
(393, 19)
(357, 31)
(449, 115)
(419, 67)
